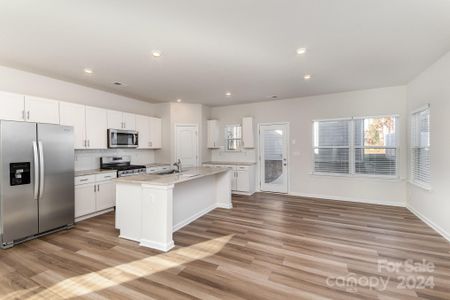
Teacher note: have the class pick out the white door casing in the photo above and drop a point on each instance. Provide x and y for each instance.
(186, 144)
(274, 157)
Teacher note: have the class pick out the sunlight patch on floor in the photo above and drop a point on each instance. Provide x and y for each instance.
(109, 277)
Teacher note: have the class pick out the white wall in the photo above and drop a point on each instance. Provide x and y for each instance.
(433, 87)
(300, 113)
(181, 113)
(16, 81)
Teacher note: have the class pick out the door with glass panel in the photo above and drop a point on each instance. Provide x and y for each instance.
(273, 153)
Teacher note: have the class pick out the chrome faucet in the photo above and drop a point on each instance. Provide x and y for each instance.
(179, 166)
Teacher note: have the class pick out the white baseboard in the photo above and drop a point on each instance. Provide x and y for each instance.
(157, 246)
(97, 213)
(242, 193)
(339, 198)
(437, 228)
(193, 217)
(224, 205)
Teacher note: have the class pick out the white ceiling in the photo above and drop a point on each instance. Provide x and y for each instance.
(209, 47)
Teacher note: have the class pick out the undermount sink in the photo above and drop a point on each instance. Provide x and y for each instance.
(167, 172)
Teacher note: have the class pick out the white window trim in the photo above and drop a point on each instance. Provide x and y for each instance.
(351, 147)
(420, 184)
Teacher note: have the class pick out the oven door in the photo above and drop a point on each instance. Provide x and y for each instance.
(122, 138)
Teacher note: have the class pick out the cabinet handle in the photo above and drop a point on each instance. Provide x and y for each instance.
(95, 188)
(28, 115)
(81, 180)
(98, 187)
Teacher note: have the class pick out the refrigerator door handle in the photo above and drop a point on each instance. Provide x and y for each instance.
(36, 170)
(41, 169)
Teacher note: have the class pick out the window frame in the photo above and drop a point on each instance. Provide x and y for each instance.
(352, 148)
(238, 140)
(413, 135)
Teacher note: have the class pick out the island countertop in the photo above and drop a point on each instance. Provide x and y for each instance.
(171, 179)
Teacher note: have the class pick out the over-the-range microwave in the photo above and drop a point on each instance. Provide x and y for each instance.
(118, 138)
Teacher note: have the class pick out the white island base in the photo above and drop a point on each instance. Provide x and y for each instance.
(149, 208)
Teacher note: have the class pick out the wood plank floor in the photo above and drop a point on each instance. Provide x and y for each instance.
(266, 247)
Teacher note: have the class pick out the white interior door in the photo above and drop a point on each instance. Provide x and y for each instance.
(186, 143)
(273, 148)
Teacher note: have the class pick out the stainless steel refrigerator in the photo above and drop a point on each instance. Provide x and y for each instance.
(36, 180)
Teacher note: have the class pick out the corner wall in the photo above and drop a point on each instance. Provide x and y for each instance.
(433, 87)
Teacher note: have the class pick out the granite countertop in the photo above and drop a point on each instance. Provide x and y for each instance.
(231, 163)
(157, 165)
(92, 172)
(170, 179)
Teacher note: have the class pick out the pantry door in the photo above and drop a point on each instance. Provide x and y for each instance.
(186, 144)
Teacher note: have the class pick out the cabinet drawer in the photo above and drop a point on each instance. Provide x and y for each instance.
(84, 179)
(105, 176)
(241, 168)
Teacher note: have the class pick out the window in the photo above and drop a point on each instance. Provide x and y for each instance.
(332, 146)
(376, 146)
(356, 146)
(420, 148)
(233, 137)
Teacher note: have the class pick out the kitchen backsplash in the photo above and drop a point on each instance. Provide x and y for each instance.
(90, 159)
(245, 155)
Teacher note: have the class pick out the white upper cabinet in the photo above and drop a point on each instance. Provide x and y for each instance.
(155, 133)
(248, 139)
(96, 128)
(149, 129)
(74, 115)
(143, 128)
(11, 107)
(120, 120)
(213, 134)
(41, 110)
(115, 119)
(129, 121)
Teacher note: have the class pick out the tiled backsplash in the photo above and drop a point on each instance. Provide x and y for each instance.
(90, 159)
(245, 155)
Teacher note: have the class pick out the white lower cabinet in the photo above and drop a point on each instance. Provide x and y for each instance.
(106, 195)
(243, 179)
(84, 200)
(94, 194)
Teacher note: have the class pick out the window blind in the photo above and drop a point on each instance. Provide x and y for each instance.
(375, 146)
(331, 146)
(358, 146)
(420, 148)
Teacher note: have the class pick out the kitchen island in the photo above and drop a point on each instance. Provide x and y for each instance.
(149, 208)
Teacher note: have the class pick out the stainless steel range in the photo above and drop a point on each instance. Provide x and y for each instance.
(122, 164)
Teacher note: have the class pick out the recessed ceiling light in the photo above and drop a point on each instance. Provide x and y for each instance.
(307, 76)
(179, 100)
(228, 94)
(301, 51)
(117, 83)
(274, 97)
(156, 53)
(88, 71)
